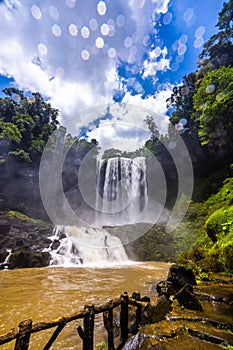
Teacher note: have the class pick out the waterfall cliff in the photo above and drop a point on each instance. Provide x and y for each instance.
(121, 191)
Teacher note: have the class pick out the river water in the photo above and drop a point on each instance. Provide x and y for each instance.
(45, 294)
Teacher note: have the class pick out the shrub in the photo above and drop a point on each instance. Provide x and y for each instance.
(219, 223)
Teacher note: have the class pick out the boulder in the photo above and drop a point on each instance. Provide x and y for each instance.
(180, 276)
(25, 258)
(165, 288)
(156, 313)
(187, 299)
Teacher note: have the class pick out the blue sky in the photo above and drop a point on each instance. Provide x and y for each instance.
(86, 53)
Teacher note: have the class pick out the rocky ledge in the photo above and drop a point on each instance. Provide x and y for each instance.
(187, 315)
(22, 241)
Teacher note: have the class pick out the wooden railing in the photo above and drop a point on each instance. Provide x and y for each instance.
(24, 330)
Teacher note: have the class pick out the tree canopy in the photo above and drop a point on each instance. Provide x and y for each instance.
(213, 103)
(26, 121)
(204, 101)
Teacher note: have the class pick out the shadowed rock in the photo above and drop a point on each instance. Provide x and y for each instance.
(187, 299)
(180, 276)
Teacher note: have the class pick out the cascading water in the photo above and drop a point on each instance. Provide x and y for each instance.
(121, 195)
(71, 245)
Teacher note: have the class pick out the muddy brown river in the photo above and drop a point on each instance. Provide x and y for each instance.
(45, 294)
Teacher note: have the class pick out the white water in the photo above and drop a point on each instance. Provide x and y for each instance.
(85, 246)
(120, 198)
(124, 192)
(5, 262)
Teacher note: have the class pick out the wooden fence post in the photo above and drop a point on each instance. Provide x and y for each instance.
(23, 338)
(108, 324)
(54, 336)
(124, 318)
(138, 316)
(87, 333)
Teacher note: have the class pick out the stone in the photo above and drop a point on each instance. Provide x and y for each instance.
(156, 313)
(25, 258)
(165, 288)
(187, 299)
(180, 276)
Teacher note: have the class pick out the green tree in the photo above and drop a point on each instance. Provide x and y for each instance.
(27, 121)
(218, 50)
(213, 104)
(10, 132)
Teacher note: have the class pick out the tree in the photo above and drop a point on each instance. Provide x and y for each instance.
(218, 50)
(213, 104)
(27, 121)
(10, 132)
(182, 99)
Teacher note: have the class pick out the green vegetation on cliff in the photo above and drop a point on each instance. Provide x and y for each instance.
(202, 115)
(213, 228)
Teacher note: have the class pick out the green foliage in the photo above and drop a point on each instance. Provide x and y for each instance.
(213, 227)
(112, 153)
(12, 215)
(204, 100)
(219, 223)
(20, 153)
(223, 198)
(155, 245)
(190, 232)
(100, 346)
(10, 132)
(218, 50)
(27, 122)
(152, 127)
(213, 104)
(220, 226)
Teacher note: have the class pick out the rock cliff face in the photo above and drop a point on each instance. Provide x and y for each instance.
(25, 238)
(19, 185)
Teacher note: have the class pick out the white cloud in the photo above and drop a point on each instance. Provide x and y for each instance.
(53, 47)
(155, 64)
(161, 5)
(127, 129)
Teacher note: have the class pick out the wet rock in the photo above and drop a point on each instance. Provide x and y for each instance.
(26, 258)
(187, 299)
(145, 299)
(3, 255)
(134, 342)
(180, 276)
(27, 238)
(156, 313)
(165, 288)
(55, 244)
(4, 228)
(136, 296)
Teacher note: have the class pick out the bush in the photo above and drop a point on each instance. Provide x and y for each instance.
(219, 223)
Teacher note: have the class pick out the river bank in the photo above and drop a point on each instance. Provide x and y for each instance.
(182, 329)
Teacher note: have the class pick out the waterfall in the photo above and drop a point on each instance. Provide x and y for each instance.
(72, 246)
(121, 195)
(121, 191)
(5, 263)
